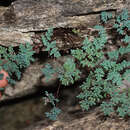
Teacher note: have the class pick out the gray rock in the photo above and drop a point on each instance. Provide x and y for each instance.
(31, 79)
(27, 16)
(27, 83)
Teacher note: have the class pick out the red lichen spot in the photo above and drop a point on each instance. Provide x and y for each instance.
(4, 81)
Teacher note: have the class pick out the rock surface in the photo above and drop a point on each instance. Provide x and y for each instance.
(26, 85)
(92, 120)
(31, 79)
(25, 17)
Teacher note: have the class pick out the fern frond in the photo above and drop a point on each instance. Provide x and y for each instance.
(70, 72)
(105, 16)
(52, 115)
(48, 72)
(14, 62)
(50, 45)
(122, 22)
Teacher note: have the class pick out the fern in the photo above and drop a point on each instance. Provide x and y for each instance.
(50, 45)
(122, 22)
(90, 95)
(126, 74)
(69, 72)
(54, 112)
(124, 50)
(126, 39)
(105, 79)
(113, 55)
(117, 99)
(99, 74)
(52, 115)
(105, 16)
(105, 70)
(48, 71)
(78, 54)
(15, 62)
(91, 52)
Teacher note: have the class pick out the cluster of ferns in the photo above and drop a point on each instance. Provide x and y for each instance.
(107, 70)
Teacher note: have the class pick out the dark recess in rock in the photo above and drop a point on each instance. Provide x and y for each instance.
(6, 3)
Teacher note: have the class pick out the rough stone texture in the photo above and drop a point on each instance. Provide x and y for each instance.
(31, 79)
(93, 120)
(27, 83)
(14, 37)
(3, 10)
(20, 22)
(25, 16)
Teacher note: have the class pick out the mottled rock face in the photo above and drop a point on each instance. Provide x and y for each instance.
(23, 18)
(27, 16)
(92, 120)
(30, 15)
